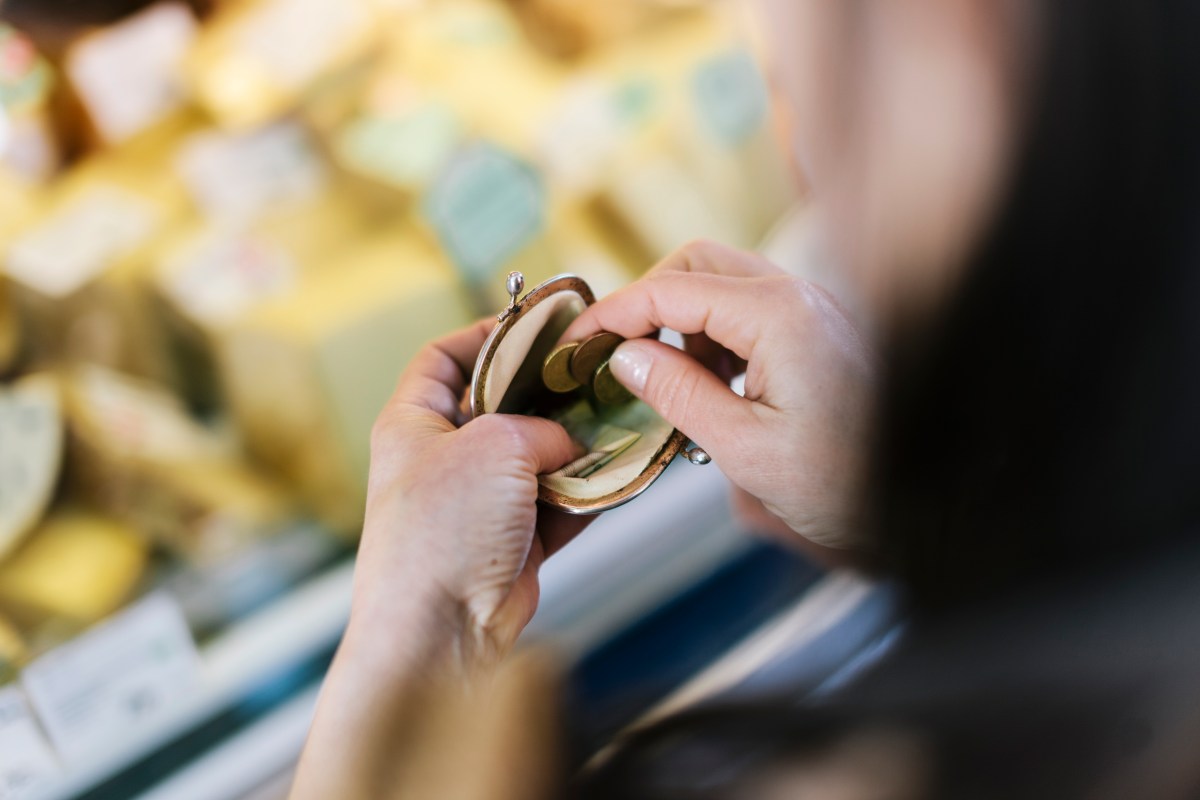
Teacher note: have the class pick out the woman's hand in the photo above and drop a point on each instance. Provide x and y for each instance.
(446, 575)
(452, 524)
(795, 442)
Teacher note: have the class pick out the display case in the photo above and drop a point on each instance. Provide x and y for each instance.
(226, 228)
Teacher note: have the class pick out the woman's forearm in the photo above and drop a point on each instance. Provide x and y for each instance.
(389, 652)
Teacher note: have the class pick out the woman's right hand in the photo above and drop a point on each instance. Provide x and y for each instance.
(796, 441)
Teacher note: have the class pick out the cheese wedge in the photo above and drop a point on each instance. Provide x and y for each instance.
(76, 568)
(138, 455)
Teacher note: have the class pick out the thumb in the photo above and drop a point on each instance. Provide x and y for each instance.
(684, 393)
(537, 444)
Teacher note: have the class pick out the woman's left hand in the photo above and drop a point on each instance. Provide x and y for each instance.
(453, 537)
(446, 576)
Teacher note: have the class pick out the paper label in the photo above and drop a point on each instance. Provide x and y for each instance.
(223, 275)
(72, 247)
(239, 176)
(731, 97)
(581, 134)
(407, 151)
(27, 764)
(296, 40)
(32, 436)
(115, 681)
(129, 75)
(486, 206)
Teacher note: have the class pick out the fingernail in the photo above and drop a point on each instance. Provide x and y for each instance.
(631, 366)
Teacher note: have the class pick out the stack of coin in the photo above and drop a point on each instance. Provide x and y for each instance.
(576, 364)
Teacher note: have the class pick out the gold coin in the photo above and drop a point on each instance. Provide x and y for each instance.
(556, 369)
(593, 352)
(607, 388)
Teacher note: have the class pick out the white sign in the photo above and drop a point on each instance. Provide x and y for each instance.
(116, 681)
(27, 764)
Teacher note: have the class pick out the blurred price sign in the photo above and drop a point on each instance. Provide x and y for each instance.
(730, 96)
(27, 764)
(116, 681)
(486, 206)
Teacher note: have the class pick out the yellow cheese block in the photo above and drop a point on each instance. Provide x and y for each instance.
(76, 568)
(308, 374)
(471, 56)
(213, 271)
(138, 455)
(256, 59)
(31, 435)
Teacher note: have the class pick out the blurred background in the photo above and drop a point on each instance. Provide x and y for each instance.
(225, 227)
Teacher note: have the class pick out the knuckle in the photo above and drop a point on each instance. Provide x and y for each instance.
(699, 247)
(500, 431)
(676, 395)
(384, 434)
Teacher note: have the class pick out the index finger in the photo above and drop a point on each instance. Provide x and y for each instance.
(731, 311)
(701, 257)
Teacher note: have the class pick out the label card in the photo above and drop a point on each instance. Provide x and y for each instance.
(76, 244)
(115, 681)
(730, 97)
(224, 274)
(486, 206)
(27, 764)
(241, 175)
(129, 75)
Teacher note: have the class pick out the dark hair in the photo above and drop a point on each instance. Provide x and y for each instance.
(1044, 425)
(1051, 417)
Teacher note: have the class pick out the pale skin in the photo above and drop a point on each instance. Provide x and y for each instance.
(447, 572)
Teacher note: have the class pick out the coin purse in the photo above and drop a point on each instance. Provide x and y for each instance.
(508, 380)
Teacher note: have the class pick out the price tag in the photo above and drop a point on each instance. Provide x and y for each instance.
(129, 75)
(238, 176)
(27, 764)
(224, 274)
(731, 97)
(406, 150)
(581, 134)
(116, 681)
(72, 247)
(486, 206)
(294, 40)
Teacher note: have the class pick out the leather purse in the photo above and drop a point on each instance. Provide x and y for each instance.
(508, 380)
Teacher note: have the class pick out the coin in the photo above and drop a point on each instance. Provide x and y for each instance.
(556, 369)
(607, 388)
(593, 352)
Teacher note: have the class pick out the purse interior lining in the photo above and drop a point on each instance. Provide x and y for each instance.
(514, 386)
